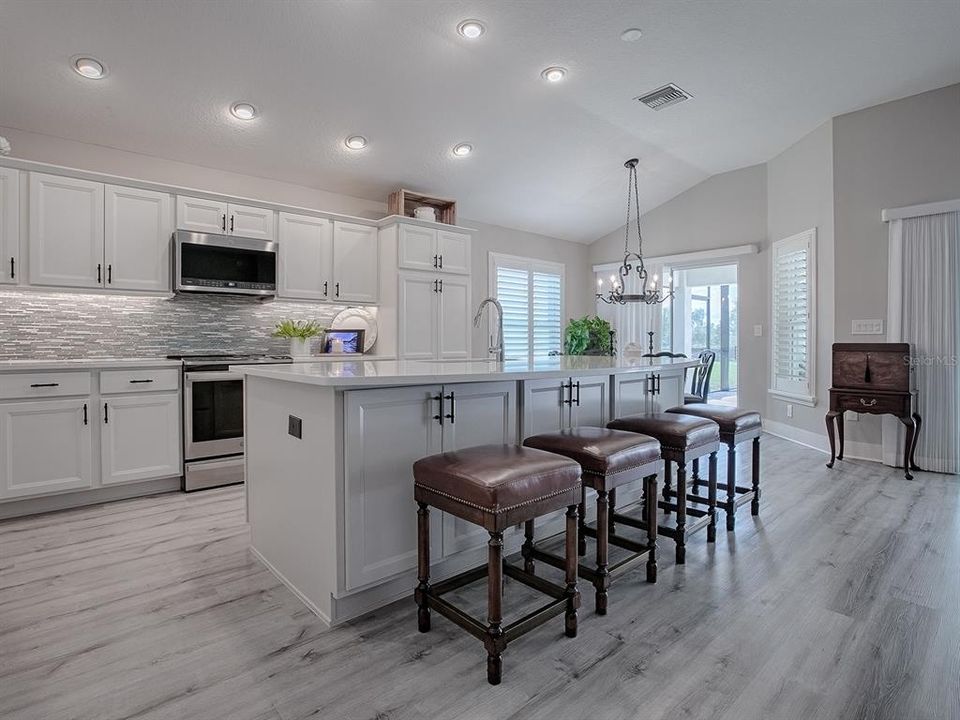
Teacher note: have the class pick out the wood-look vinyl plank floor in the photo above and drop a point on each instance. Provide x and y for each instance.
(842, 600)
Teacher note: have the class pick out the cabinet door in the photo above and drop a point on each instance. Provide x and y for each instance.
(306, 257)
(630, 395)
(483, 414)
(417, 248)
(251, 222)
(544, 406)
(387, 430)
(140, 437)
(591, 406)
(454, 252)
(356, 263)
(66, 231)
(670, 393)
(205, 216)
(454, 317)
(9, 225)
(418, 303)
(45, 447)
(138, 229)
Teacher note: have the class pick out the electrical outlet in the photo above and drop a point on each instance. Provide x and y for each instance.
(866, 327)
(758, 330)
(295, 427)
(789, 410)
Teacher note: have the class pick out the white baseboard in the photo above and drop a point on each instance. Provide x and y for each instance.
(79, 498)
(818, 441)
(291, 587)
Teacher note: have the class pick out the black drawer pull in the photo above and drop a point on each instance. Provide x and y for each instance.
(137, 382)
(85, 414)
(452, 415)
(13, 268)
(106, 413)
(45, 385)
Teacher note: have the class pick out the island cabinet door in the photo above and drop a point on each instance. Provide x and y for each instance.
(630, 395)
(668, 393)
(590, 401)
(545, 406)
(386, 431)
(475, 414)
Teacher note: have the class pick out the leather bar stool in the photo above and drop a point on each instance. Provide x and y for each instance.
(736, 426)
(609, 459)
(682, 438)
(496, 486)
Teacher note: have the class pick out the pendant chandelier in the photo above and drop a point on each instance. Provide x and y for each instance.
(633, 261)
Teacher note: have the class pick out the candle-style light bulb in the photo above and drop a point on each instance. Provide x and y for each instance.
(599, 282)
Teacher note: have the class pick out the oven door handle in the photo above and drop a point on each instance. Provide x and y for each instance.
(211, 376)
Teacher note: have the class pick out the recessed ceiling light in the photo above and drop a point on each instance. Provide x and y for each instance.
(89, 68)
(554, 74)
(631, 34)
(463, 149)
(471, 29)
(243, 111)
(356, 142)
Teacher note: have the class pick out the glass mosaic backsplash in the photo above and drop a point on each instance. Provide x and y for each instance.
(57, 326)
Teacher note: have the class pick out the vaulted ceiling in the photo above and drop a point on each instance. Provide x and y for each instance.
(547, 157)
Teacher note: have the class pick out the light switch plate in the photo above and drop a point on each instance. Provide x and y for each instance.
(295, 427)
(867, 327)
(758, 330)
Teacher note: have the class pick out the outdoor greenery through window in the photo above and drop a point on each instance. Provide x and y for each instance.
(531, 293)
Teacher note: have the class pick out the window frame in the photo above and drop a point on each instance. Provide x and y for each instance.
(530, 265)
(808, 398)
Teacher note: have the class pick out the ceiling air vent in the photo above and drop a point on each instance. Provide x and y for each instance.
(664, 97)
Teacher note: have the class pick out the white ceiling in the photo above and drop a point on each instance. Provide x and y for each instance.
(548, 158)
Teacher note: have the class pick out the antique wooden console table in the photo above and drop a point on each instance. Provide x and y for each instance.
(873, 378)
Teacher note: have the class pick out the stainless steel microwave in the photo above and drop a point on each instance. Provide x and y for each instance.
(207, 263)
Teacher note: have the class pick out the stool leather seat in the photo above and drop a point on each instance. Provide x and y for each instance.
(600, 451)
(732, 420)
(675, 432)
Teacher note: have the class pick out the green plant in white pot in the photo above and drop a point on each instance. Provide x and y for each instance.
(300, 333)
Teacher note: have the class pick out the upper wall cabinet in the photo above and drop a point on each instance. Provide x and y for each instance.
(221, 218)
(137, 238)
(306, 257)
(421, 248)
(356, 263)
(9, 225)
(66, 231)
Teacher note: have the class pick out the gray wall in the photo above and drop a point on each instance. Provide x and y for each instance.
(723, 211)
(800, 197)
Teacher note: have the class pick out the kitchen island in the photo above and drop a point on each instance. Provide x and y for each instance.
(330, 449)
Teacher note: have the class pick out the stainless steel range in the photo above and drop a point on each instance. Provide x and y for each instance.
(213, 418)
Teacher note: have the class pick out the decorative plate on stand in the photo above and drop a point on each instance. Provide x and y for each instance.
(357, 319)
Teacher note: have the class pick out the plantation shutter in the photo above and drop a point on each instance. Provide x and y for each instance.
(793, 316)
(531, 293)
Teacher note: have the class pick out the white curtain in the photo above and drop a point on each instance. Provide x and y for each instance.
(636, 319)
(924, 310)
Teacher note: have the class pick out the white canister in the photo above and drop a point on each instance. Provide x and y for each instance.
(425, 212)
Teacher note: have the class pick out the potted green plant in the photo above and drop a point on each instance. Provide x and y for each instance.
(300, 332)
(587, 336)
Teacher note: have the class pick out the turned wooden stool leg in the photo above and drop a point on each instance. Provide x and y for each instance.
(612, 504)
(581, 523)
(573, 595)
(650, 514)
(681, 513)
(712, 498)
(755, 503)
(423, 567)
(494, 640)
(602, 583)
(667, 483)
(731, 504)
(526, 551)
(695, 489)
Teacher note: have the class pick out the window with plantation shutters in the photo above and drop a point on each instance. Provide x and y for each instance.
(531, 293)
(793, 319)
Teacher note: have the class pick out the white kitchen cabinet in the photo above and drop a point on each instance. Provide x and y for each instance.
(647, 393)
(453, 317)
(138, 227)
(418, 308)
(66, 231)
(140, 437)
(222, 218)
(9, 226)
(356, 263)
(45, 447)
(386, 432)
(306, 257)
(422, 248)
(668, 392)
(557, 404)
(483, 414)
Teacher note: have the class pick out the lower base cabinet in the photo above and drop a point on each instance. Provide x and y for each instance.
(386, 431)
(140, 437)
(45, 447)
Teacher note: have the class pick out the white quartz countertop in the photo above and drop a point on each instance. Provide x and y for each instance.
(86, 364)
(382, 373)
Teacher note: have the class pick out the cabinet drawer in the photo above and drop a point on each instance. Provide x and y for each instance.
(128, 381)
(44, 384)
(871, 403)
